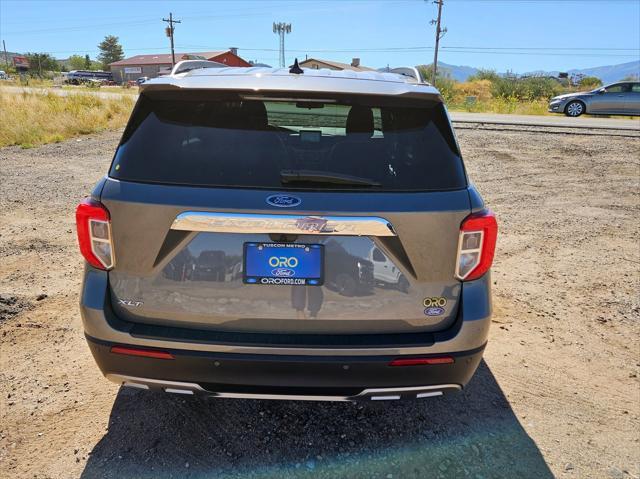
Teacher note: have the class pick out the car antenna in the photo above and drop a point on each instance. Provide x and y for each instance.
(295, 69)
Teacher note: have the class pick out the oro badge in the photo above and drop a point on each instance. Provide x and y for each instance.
(434, 306)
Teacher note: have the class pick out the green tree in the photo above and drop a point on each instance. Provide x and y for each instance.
(40, 63)
(589, 82)
(444, 83)
(76, 62)
(110, 50)
(87, 62)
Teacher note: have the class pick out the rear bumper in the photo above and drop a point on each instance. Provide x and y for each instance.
(338, 378)
(318, 367)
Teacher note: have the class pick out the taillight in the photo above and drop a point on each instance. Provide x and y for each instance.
(94, 233)
(476, 245)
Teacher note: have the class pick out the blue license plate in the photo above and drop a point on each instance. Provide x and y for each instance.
(283, 264)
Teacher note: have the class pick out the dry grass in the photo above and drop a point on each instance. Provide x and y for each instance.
(30, 119)
(478, 88)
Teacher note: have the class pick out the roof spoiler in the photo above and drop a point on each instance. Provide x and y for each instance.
(188, 65)
(411, 72)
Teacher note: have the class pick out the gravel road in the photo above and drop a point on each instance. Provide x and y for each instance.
(557, 395)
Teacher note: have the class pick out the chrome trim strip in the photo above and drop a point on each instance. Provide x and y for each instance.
(283, 397)
(158, 383)
(410, 389)
(283, 224)
(178, 391)
(429, 395)
(135, 385)
(376, 394)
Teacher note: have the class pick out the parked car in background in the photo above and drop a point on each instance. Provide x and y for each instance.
(347, 273)
(3, 75)
(622, 98)
(230, 248)
(385, 271)
(77, 77)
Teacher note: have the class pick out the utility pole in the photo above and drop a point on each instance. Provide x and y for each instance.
(439, 34)
(6, 58)
(169, 30)
(281, 29)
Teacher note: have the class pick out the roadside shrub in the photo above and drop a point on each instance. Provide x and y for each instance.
(590, 82)
(530, 88)
(447, 88)
(490, 75)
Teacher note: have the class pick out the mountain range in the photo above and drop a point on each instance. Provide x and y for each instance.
(607, 73)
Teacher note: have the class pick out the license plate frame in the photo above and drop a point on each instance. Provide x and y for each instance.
(268, 263)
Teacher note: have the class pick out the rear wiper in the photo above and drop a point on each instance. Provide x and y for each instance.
(314, 176)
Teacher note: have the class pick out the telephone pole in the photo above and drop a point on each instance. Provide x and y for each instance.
(169, 30)
(281, 29)
(6, 58)
(439, 34)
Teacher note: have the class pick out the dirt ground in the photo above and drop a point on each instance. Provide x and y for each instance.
(557, 395)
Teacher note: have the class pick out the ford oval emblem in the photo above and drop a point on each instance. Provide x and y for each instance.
(283, 201)
(283, 272)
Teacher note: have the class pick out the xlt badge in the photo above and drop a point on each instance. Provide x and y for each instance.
(130, 303)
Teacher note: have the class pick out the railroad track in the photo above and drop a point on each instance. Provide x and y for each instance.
(586, 130)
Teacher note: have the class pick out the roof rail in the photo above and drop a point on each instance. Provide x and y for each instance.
(188, 65)
(410, 72)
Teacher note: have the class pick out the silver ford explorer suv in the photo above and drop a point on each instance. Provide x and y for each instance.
(287, 234)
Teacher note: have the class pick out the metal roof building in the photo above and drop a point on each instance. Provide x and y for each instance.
(153, 65)
(317, 63)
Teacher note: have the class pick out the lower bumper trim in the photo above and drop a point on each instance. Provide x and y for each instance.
(374, 394)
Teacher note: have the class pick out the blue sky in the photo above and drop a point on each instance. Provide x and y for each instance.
(520, 35)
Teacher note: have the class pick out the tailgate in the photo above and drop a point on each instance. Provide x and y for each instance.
(387, 259)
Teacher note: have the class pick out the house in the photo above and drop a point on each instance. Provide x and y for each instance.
(154, 65)
(317, 63)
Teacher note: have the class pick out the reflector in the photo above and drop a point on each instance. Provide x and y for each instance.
(422, 361)
(147, 353)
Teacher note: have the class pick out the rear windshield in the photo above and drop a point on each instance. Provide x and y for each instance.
(235, 140)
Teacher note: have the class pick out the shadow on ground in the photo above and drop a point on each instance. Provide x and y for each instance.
(470, 434)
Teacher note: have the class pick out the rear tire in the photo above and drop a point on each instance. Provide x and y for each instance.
(574, 108)
(346, 285)
(403, 284)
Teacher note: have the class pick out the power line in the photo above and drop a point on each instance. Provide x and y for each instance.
(192, 18)
(535, 51)
(418, 48)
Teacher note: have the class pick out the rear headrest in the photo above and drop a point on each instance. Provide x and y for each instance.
(360, 120)
(255, 114)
